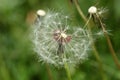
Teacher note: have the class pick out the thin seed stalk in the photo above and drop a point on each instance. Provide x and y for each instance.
(96, 54)
(110, 44)
(49, 72)
(67, 69)
(112, 51)
(80, 11)
(61, 51)
(5, 74)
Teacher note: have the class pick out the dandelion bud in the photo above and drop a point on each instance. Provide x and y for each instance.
(92, 10)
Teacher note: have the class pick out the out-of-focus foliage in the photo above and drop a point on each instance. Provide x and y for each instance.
(19, 62)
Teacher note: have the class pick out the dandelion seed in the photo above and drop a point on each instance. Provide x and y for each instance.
(53, 38)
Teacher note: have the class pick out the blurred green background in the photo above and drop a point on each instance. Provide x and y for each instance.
(18, 61)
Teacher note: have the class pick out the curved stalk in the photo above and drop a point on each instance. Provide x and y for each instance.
(80, 11)
(96, 54)
(109, 43)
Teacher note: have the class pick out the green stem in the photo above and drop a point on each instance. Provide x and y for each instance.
(67, 70)
(96, 54)
(80, 11)
(4, 72)
(49, 72)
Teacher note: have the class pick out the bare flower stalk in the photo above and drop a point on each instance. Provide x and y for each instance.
(112, 51)
(49, 72)
(96, 15)
(5, 74)
(109, 43)
(67, 70)
(79, 10)
(96, 54)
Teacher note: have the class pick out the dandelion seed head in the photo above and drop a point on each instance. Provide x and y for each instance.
(53, 38)
(92, 10)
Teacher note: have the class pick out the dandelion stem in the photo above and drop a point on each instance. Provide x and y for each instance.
(80, 11)
(109, 43)
(96, 54)
(5, 75)
(67, 69)
(112, 51)
(49, 72)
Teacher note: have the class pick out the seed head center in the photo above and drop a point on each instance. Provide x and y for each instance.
(63, 35)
